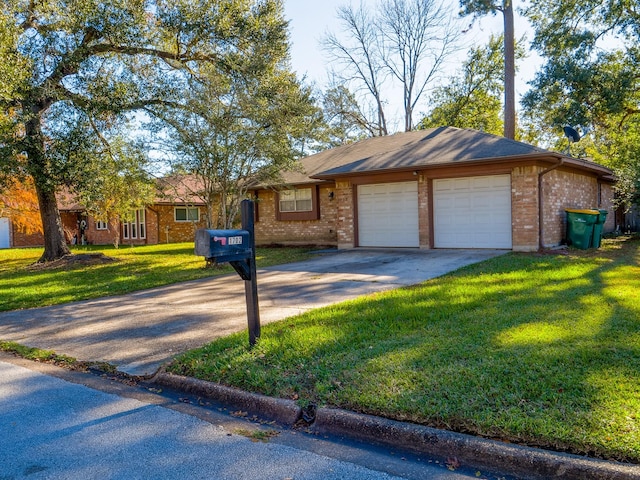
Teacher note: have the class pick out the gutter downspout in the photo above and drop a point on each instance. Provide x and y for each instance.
(541, 203)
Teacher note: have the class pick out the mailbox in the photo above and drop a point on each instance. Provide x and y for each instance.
(223, 245)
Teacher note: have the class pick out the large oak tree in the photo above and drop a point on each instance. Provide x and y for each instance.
(72, 69)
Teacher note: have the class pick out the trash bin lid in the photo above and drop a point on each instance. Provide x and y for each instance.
(585, 210)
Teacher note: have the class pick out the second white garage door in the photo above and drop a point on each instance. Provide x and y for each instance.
(388, 215)
(472, 212)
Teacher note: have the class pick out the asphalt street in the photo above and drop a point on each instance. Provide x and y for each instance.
(56, 429)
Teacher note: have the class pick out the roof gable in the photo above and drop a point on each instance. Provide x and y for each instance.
(442, 146)
(423, 148)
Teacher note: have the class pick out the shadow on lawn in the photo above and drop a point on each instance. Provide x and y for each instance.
(530, 348)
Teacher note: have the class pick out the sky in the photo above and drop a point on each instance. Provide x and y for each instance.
(309, 20)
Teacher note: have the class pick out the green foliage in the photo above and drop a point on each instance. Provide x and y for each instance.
(473, 98)
(116, 186)
(589, 79)
(483, 7)
(75, 69)
(346, 123)
(36, 354)
(238, 128)
(541, 350)
(236, 131)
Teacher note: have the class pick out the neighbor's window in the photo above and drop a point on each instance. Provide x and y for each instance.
(298, 200)
(187, 214)
(100, 225)
(135, 228)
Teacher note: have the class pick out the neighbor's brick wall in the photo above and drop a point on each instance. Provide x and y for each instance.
(153, 231)
(21, 239)
(170, 231)
(100, 237)
(565, 189)
(269, 230)
(524, 208)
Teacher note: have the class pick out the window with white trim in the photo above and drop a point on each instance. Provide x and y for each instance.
(186, 214)
(298, 200)
(135, 229)
(100, 225)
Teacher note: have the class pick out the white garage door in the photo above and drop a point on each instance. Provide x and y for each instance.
(472, 212)
(388, 215)
(4, 233)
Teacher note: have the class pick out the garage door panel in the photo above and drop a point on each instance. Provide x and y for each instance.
(472, 212)
(388, 215)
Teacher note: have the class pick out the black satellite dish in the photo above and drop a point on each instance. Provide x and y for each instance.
(571, 134)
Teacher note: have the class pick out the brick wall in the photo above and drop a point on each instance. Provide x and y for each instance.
(167, 230)
(524, 208)
(269, 230)
(22, 239)
(563, 189)
(345, 215)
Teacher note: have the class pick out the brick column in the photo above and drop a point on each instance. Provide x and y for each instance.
(524, 209)
(345, 221)
(424, 225)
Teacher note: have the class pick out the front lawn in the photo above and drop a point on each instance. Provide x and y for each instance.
(134, 268)
(542, 350)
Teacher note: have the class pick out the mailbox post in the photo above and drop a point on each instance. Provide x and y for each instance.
(238, 247)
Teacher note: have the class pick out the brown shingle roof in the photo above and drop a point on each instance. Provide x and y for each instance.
(423, 149)
(181, 189)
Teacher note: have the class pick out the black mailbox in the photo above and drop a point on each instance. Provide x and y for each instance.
(223, 245)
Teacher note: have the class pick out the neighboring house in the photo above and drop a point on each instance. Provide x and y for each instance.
(439, 188)
(174, 216)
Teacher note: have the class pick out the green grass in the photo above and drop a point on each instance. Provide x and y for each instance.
(542, 350)
(135, 268)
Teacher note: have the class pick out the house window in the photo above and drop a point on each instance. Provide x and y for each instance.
(298, 200)
(187, 214)
(135, 229)
(100, 225)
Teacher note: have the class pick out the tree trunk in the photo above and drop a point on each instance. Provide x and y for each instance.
(55, 245)
(509, 72)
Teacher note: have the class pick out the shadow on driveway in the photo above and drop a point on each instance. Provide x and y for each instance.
(138, 332)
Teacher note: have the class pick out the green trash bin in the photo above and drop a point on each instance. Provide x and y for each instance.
(580, 223)
(597, 228)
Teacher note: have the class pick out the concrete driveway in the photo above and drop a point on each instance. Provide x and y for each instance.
(139, 332)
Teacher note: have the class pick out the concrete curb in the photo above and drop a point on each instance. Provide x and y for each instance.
(285, 412)
(516, 460)
(523, 462)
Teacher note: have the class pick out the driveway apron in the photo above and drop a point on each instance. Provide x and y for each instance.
(139, 332)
